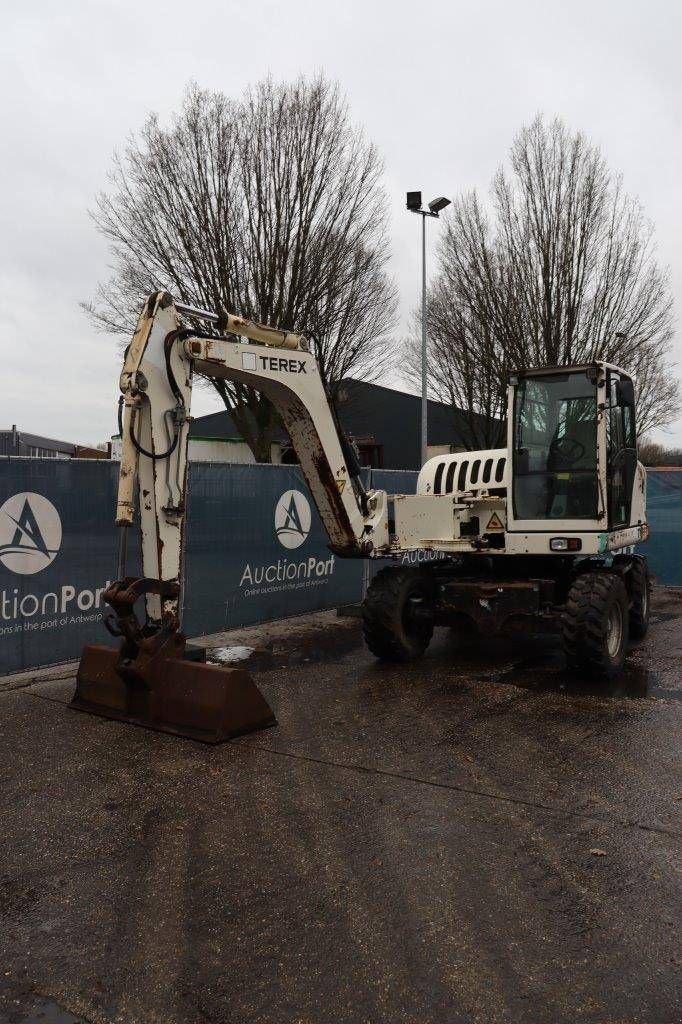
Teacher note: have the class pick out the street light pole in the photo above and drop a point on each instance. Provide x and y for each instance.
(425, 425)
(414, 205)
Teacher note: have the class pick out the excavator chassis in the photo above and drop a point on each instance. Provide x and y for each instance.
(153, 681)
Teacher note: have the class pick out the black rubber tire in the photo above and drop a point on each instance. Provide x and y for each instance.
(390, 632)
(594, 598)
(639, 589)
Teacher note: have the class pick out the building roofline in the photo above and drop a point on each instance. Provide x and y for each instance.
(39, 440)
(395, 391)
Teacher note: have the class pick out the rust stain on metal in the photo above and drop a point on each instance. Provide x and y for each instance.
(318, 473)
(330, 485)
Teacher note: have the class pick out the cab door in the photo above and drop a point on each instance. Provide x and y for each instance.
(621, 448)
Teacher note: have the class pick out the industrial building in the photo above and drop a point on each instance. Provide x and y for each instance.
(19, 443)
(383, 423)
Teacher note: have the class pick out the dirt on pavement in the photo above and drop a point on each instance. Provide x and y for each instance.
(475, 837)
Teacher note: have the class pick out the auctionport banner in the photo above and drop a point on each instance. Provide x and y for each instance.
(255, 550)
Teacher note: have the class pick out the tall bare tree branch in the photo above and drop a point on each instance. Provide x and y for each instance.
(271, 206)
(562, 270)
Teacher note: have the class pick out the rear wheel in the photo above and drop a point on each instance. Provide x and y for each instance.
(595, 624)
(397, 614)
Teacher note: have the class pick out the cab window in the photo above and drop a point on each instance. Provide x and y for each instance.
(555, 449)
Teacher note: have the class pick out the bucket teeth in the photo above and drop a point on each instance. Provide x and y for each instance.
(202, 702)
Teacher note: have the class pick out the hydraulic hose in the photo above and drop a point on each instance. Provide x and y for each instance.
(138, 447)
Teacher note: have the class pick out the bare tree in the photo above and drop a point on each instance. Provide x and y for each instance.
(562, 270)
(652, 453)
(271, 206)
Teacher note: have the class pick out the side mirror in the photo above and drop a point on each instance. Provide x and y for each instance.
(625, 392)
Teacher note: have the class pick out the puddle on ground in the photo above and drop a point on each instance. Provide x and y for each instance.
(504, 660)
(544, 671)
(46, 1011)
(304, 651)
(227, 655)
(548, 674)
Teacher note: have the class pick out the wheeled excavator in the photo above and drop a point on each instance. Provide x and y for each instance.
(540, 533)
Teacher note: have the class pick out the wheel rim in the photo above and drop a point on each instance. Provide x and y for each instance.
(414, 614)
(614, 630)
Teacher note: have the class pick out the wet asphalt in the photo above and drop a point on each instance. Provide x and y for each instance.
(478, 837)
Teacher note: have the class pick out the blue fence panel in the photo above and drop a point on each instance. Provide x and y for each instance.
(58, 550)
(664, 514)
(395, 481)
(257, 550)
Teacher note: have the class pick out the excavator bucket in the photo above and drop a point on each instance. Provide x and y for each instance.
(171, 694)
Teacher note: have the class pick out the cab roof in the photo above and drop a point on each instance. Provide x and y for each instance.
(600, 365)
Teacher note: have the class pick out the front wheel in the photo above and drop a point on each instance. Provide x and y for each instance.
(397, 614)
(639, 586)
(595, 624)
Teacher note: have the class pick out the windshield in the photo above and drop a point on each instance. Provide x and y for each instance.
(555, 447)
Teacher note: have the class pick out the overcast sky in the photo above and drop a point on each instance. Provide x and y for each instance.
(441, 87)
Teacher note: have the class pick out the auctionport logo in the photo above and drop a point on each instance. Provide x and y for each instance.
(30, 533)
(292, 519)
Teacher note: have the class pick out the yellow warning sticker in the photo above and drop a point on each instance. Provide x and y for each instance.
(494, 524)
(340, 484)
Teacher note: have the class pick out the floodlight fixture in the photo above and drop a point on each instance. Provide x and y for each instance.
(436, 205)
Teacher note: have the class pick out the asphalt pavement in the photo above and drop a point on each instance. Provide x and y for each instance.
(478, 837)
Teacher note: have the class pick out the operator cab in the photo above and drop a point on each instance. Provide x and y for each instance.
(573, 448)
